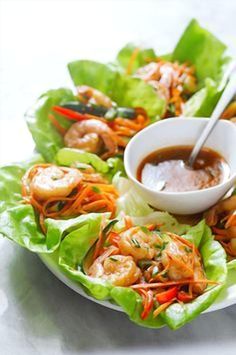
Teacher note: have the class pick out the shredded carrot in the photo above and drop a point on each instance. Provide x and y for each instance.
(57, 125)
(172, 283)
(128, 222)
(151, 227)
(147, 297)
(85, 198)
(161, 308)
(133, 56)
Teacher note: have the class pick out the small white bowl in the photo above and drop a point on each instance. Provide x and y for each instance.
(182, 131)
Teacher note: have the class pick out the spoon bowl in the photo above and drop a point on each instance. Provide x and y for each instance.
(182, 131)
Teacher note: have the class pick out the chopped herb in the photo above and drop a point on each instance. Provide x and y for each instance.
(144, 229)
(144, 263)
(96, 189)
(163, 246)
(113, 259)
(165, 275)
(109, 226)
(136, 243)
(107, 230)
(171, 108)
(155, 270)
(188, 250)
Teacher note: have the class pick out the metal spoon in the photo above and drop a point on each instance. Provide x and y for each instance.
(226, 97)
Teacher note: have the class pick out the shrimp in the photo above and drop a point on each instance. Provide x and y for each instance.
(224, 211)
(53, 181)
(138, 243)
(92, 136)
(230, 112)
(224, 206)
(171, 81)
(119, 270)
(181, 265)
(93, 96)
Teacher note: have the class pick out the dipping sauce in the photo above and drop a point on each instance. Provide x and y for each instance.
(166, 169)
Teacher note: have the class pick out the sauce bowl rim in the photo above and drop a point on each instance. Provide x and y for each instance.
(176, 193)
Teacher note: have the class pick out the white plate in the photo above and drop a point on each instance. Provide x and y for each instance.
(226, 298)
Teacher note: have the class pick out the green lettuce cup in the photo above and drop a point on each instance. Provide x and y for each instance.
(76, 245)
(193, 48)
(20, 222)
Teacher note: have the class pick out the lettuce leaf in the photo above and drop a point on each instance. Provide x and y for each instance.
(47, 139)
(231, 264)
(144, 55)
(77, 244)
(74, 157)
(202, 43)
(70, 156)
(124, 90)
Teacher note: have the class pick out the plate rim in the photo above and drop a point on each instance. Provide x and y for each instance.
(75, 286)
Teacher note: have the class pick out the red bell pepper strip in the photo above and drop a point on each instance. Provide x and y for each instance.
(147, 303)
(184, 297)
(167, 296)
(70, 114)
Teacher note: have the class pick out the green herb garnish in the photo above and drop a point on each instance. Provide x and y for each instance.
(144, 263)
(165, 275)
(144, 229)
(136, 243)
(113, 259)
(96, 189)
(162, 247)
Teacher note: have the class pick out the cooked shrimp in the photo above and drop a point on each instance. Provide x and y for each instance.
(138, 243)
(93, 96)
(224, 206)
(92, 136)
(230, 112)
(181, 265)
(171, 81)
(224, 212)
(178, 261)
(119, 270)
(53, 181)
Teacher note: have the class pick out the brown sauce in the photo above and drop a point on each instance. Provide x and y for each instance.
(166, 169)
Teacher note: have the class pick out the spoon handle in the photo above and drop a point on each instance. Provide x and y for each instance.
(226, 97)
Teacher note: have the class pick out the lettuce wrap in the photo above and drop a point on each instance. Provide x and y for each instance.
(77, 244)
(19, 222)
(200, 48)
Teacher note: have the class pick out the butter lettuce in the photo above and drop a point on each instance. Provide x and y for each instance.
(74, 157)
(47, 139)
(70, 156)
(203, 50)
(122, 89)
(70, 240)
(77, 244)
(19, 222)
